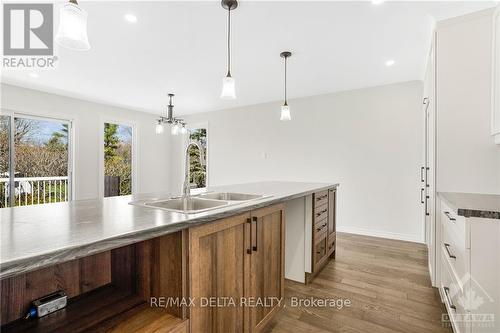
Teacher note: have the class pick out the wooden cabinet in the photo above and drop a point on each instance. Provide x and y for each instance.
(266, 265)
(217, 260)
(233, 263)
(324, 230)
(332, 221)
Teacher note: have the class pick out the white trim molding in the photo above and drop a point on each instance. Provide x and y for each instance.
(381, 234)
(495, 81)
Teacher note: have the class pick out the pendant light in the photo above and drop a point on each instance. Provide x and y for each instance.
(285, 109)
(177, 125)
(228, 84)
(72, 32)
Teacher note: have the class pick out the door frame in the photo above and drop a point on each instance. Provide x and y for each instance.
(122, 122)
(12, 114)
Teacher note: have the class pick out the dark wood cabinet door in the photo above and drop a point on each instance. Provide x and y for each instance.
(266, 265)
(332, 222)
(332, 203)
(217, 259)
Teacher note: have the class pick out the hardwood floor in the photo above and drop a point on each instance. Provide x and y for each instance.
(387, 282)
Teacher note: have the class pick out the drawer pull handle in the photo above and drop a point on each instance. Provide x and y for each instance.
(446, 246)
(321, 227)
(254, 218)
(447, 294)
(321, 197)
(449, 216)
(323, 211)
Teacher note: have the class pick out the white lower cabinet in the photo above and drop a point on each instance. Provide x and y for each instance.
(470, 272)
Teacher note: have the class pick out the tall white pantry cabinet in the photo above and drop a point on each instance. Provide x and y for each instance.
(461, 105)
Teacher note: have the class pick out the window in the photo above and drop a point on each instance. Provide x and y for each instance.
(118, 159)
(35, 160)
(198, 166)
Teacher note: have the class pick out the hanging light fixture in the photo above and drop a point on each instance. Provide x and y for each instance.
(228, 84)
(177, 125)
(285, 109)
(72, 32)
(159, 127)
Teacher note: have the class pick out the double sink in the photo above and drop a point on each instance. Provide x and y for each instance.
(200, 203)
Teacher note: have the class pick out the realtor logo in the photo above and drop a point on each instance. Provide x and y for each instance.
(28, 29)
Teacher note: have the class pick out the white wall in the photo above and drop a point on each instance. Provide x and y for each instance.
(152, 150)
(468, 159)
(368, 140)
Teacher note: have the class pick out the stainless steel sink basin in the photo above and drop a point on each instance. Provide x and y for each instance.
(200, 203)
(230, 196)
(191, 205)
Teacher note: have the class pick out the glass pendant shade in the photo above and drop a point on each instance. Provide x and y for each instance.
(159, 128)
(72, 32)
(285, 113)
(175, 129)
(184, 130)
(228, 88)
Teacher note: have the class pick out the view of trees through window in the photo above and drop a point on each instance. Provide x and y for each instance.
(117, 160)
(198, 171)
(40, 161)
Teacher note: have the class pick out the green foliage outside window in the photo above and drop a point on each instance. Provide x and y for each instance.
(197, 171)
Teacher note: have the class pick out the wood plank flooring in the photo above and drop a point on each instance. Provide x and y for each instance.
(387, 282)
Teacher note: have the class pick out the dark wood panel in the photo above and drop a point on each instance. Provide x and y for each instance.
(266, 268)
(74, 277)
(123, 268)
(217, 260)
(99, 287)
(168, 270)
(95, 271)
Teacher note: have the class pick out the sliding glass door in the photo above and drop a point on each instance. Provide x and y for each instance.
(35, 161)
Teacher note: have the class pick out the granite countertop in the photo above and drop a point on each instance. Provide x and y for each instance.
(473, 205)
(42, 235)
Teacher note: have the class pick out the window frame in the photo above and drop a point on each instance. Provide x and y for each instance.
(120, 122)
(185, 141)
(12, 114)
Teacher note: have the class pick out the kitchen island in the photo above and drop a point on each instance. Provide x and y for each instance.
(113, 259)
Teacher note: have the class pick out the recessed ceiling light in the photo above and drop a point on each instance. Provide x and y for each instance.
(130, 18)
(33, 75)
(377, 2)
(390, 63)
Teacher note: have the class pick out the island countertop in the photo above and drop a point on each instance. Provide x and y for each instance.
(42, 235)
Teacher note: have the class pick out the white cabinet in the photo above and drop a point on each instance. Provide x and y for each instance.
(495, 94)
(470, 271)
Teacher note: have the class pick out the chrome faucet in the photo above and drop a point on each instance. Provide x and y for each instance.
(186, 188)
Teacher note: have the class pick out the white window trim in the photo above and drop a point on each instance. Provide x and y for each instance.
(185, 142)
(72, 142)
(122, 122)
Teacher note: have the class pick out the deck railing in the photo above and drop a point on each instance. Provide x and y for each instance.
(34, 190)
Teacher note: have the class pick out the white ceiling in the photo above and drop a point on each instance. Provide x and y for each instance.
(180, 47)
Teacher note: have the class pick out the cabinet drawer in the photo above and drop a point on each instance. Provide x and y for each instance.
(320, 198)
(320, 228)
(331, 243)
(320, 250)
(455, 226)
(321, 212)
(453, 297)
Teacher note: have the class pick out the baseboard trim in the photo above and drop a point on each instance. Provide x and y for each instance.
(381, 234)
